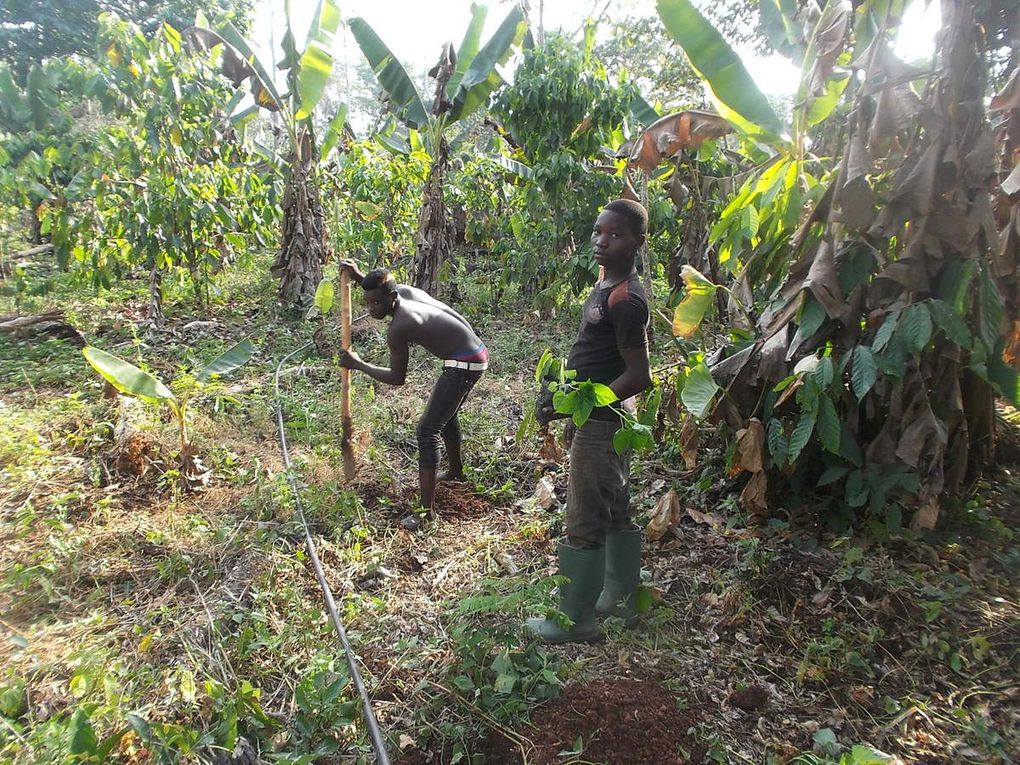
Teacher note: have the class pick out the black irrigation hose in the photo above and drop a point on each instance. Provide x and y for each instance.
(366, 704)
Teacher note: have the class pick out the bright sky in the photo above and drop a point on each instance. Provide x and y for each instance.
(416, 31)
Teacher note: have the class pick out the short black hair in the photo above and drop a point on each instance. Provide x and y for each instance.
(634, 212)
(379, 279)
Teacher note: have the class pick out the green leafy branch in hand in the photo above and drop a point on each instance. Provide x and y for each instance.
(578, 399)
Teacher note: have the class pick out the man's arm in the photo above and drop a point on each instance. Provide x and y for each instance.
(637, 373)
(394, 374)
(352, 269)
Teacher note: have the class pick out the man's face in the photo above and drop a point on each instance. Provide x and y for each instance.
(613, 241)
(379, 303)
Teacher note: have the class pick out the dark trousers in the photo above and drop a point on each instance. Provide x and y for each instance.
(598, 490)
(439, 421)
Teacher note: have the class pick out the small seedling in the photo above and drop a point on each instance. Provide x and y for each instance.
(132, 381)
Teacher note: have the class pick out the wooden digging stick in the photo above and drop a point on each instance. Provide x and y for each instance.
(346, 424)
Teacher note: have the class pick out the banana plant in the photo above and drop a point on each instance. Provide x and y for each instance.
(872, 261)
(464, 81)
(303, 246)
(128, 379)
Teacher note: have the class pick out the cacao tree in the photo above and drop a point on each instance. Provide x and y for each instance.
(167, 184)
(564, 115)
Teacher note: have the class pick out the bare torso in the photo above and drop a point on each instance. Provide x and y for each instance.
(420, 319)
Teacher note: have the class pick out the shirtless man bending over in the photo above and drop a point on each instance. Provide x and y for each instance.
(417, 318)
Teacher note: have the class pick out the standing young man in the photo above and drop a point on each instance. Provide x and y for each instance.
(602, 552)
(416, 318)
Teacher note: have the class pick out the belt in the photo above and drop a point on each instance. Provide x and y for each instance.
(471, 366)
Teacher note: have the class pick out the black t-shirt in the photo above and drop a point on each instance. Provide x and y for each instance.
(614, 317)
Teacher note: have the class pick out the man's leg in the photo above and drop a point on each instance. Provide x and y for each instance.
(448, 394)
(426, 486)
(594, 477)
(451, 440)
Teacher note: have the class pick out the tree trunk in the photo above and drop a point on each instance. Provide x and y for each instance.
(304, 248)
(155, 309)
(435, 230)
(646, 263)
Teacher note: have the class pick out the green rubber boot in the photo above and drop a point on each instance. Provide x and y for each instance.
(586, 568)
(623, 575)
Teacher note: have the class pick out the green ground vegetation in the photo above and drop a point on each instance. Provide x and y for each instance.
(146, 621)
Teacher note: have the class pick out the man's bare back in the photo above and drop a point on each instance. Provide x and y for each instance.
(420, 319)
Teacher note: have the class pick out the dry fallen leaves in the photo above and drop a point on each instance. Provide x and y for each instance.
(665, 516)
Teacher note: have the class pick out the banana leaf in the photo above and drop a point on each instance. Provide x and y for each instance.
(481, 78)
(468, 47)
(35, 92)
(407, 102)
(317, 60)
(126, 377)
(229, 35)
(333, 132)
(737, 96)
(12, 104)
(232, 358)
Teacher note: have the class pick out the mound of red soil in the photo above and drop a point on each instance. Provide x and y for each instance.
(618, 721)
(456, 500)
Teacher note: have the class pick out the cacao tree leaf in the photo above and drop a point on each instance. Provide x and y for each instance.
(368, 210)
(82, 736)
(893, 358)
(582, 411)
(828, 425)
(126, 377)
(848, 447)
(232, 358)
(864, 372)
(806, 365)
(544, 363)
(623, 439)
(776, 438)
(951, 323)
(699, 390)
(603, 394)
(856, 490)
(824, 373)
(885, 331)
(832, 474)
(801, 434)
(915, 327)
(652, 404)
